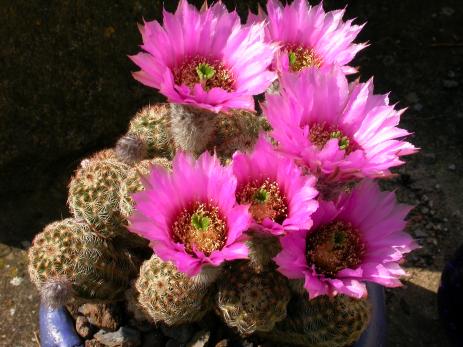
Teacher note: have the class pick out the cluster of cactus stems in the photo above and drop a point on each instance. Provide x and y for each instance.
(93, 257)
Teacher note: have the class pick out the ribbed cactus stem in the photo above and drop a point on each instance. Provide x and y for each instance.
(262, 249)
(167, 295)
(130, 149)
(192, 128)
(251, 302)
(322, 322)
(56, 292)
(69, 255)
(206, 276)
(236, 130)
(133, 182)
(94, 195)
(152, 125)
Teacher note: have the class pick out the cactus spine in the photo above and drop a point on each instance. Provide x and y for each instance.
(133, 182)
(322, 322)
(192, 127)
(167, 295)
(196, 130)
(252, 302)
(262, 249)
(152, 126)
(68, 253)
(130, 149)
(94, 195)
(236, 131)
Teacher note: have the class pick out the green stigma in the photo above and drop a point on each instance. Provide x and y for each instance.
(205, 71)
(339, 238)
(343, 140)
(200, 222)
(261, 196)
(292, 58)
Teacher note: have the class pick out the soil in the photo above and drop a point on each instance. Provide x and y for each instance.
(66, 91)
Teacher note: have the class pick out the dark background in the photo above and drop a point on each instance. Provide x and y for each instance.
(66, 91)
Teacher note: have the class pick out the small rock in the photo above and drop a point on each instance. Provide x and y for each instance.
(452, 167)
(12, 311)
(84, 328)
(222, 343)
(73, 310)
(173, 343)
(93, 343)
(449, 84)
(153, 339)
(103, 316)
(418, 107)
(124, 337)
(180, 333)
(447, 11)
(200, 339)
(16, 281)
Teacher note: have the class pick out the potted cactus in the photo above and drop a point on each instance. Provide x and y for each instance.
(271, 222)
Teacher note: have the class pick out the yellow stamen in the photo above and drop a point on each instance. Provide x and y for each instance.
(300, 58)
(266, 200)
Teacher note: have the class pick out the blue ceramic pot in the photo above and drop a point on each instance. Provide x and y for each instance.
(57, 328)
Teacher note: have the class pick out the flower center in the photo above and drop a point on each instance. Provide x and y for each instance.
(334, 247)
(210, 73)
(200, 227)
(320, 134)
(266, 200)
(301, 58)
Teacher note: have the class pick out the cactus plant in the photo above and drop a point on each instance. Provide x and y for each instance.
(253, 241)
(68, 260)
(252, 302)
(130, 149)
(236, 130)
(94, 195)
(196, 130)
(322, 322)
(167, 295)
(152, 126)
(192, 127)
(262, 249)
(132, 183)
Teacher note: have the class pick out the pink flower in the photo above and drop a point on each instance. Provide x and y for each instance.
(309, 36)
(280, 197)
(339, 131)
(205, 58)
(191, 216)
(359, 239)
